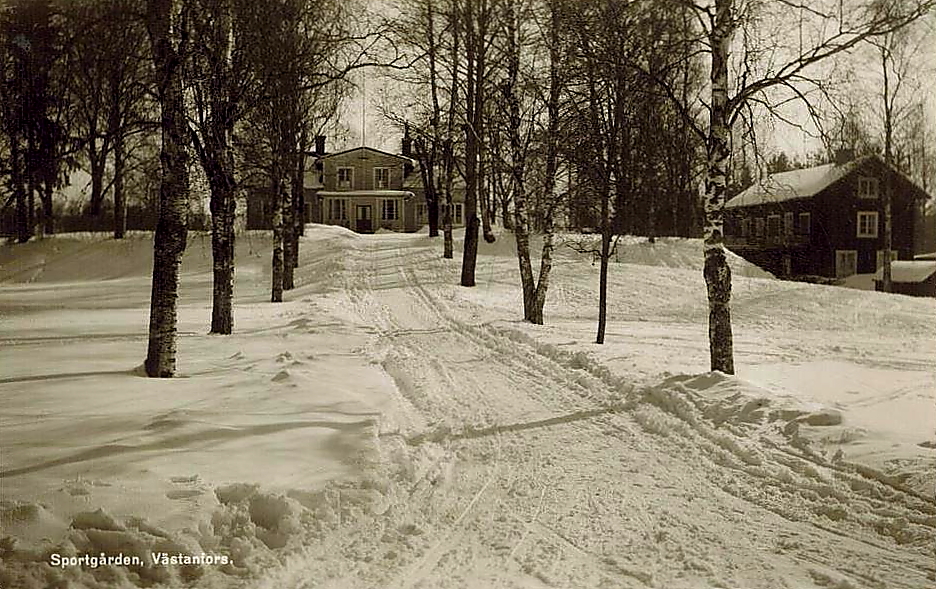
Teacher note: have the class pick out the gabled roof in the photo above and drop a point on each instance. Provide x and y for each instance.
(906, 271)
(795, 184)
(408, 160)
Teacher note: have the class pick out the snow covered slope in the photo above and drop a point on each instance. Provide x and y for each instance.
(387, 428)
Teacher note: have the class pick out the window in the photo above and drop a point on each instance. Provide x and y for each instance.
(337, 209)
(759, 226)
(867, 224)
(773, 226)
(846, 263)
(381, 178)
(745, 227)
(802, 223)
(788, 224)
(345, 178)
(867, 187)
(390, 209)
(879, 259)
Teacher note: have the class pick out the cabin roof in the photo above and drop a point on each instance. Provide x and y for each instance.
(794, 184)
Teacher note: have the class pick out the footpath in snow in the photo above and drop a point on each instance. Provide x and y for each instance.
(387, 428)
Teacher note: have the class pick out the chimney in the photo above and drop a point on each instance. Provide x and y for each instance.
(407, 141)
(843, 156)
(319, 145)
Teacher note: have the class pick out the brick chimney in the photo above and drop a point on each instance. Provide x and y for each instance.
(407, 142)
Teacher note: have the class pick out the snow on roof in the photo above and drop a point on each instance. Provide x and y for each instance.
(794, 184)
(906, 271)
(929, 256)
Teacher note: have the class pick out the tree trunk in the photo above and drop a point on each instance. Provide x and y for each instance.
(277, 197)
(171, 231)
(223, 211)
(298, 201)
(426, 159)
(716, 271)
(448, 246)
(484, 197)
(97, 186)
(886, 277)
(19, 190)
(605, 255)
(472, 223)
(288, 228)
(48, 217)
(120, 201)
(30, 208)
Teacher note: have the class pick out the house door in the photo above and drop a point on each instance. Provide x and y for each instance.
(846, 263)
(365, 218)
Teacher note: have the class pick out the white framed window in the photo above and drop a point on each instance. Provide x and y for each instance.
(867, 224)
(337, 209)
(867, 187)
(773, 225)
(345, 178)
(389, 209)
(788, 224)
(803, 222)
(846, 263)
(759, 226)
(381, 178)
(879, 258)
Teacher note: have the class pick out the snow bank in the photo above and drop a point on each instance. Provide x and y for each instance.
(386, 427)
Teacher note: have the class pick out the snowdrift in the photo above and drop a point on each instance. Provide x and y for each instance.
(385, 427)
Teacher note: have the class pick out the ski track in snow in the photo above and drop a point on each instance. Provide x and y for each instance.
(506, 459)
(550, 471)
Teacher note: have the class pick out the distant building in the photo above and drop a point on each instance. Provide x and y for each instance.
(826, 220)
(363, 189)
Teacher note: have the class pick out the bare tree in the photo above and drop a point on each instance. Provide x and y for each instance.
(520, 130)
(838, 29)
(218, 86)
(899, 53)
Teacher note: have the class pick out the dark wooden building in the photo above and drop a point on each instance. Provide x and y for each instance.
(824, 221)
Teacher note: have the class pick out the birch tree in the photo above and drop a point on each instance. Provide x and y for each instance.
(520, 129)
(217, 89)
(165, 26)
(831, 28)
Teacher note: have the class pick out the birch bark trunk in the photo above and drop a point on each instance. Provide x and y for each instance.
(716, 271)
(171, 230)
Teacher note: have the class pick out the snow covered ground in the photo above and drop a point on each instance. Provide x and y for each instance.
(385, 427)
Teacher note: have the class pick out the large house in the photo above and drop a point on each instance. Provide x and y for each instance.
(826, 220)
(363, 189)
